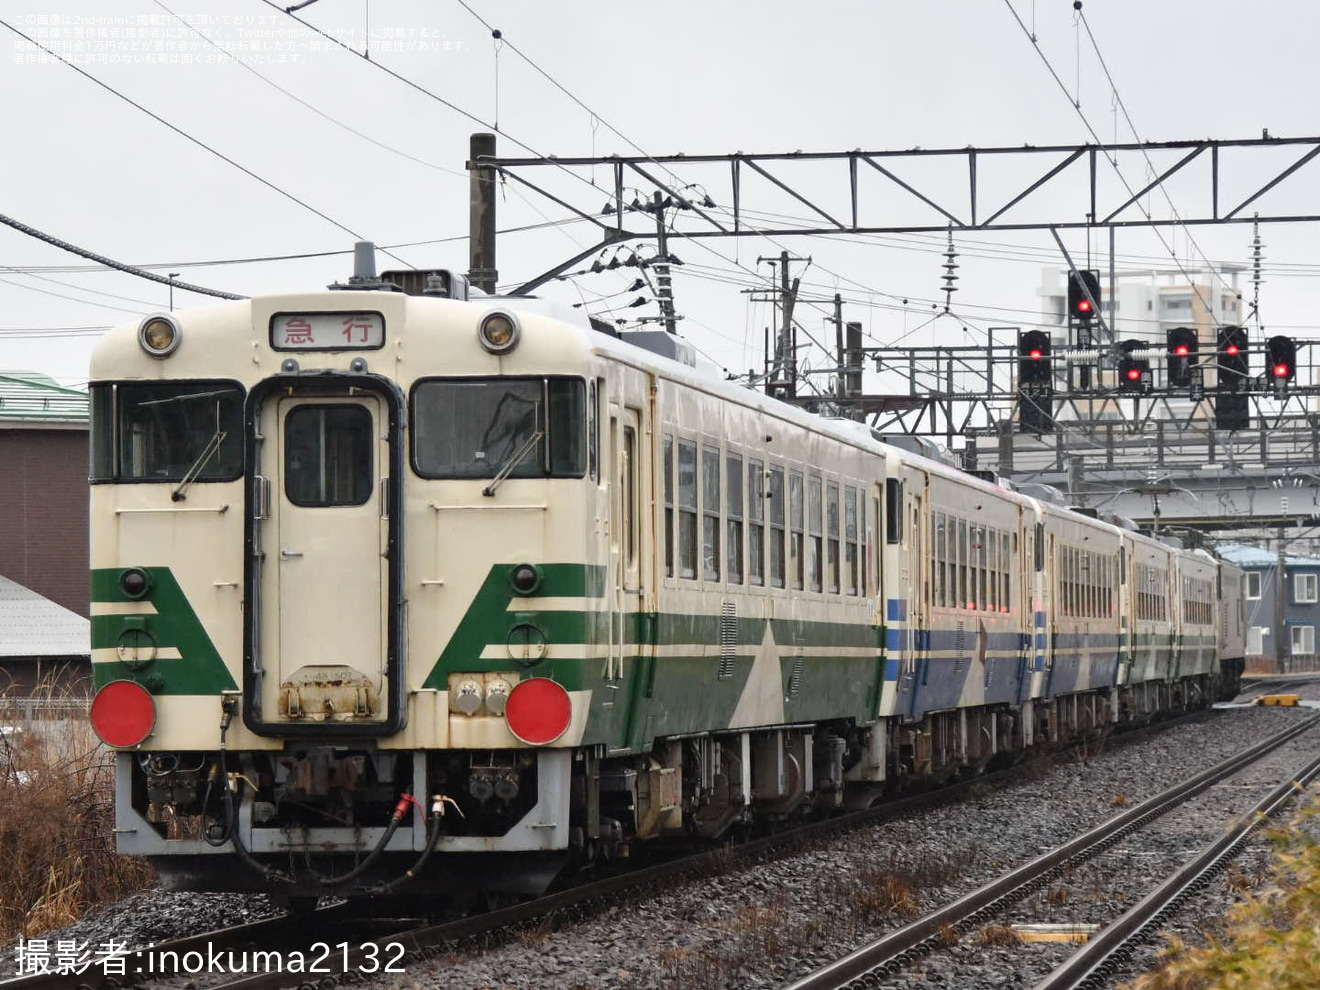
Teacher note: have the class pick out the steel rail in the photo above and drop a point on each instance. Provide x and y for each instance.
(867, 966)
(1092, 967)
(436, 939)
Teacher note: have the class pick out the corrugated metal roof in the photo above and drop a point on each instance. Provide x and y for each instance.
(33, 626)
(1255, 557)
(30, 395)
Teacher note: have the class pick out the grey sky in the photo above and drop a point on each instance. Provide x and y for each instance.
(693, 77)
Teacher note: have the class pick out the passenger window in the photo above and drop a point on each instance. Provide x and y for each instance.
(687, 509)
(756, 522)
(667, 470)
(733, 544)
(798, 514)
(777, 549)
(710, 514)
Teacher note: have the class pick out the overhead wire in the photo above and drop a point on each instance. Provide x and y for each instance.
(302, 256)
(1076, 104)
(184, 134)
(101, 259)
(243, 64)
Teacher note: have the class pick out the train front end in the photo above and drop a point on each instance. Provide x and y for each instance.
(344, 547)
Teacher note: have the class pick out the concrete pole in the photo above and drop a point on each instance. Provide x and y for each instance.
(1282, 645)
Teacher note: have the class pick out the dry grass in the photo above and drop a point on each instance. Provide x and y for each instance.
(1121, 800)
(1001, 935)
(57, 789)
(1270, 939)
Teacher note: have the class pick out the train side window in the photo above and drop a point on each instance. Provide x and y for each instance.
(687, 509)
(630, 498)
(1040, 547)
(850, 539)
(982, 568)
(941, 546)
(1005, 573)
(667, 470)
(328, 455)
(756, 522)
(832, 537)
(964, 586)
(733, 549)
(102, 433)
(992, 570)
(710, 513)
(893, 510)
(796, 514)
(777, 527)
(815, 559)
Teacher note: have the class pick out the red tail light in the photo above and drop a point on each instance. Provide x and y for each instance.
(538, 711)
(123, 714)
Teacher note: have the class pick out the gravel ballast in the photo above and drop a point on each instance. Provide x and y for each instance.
(764, 925)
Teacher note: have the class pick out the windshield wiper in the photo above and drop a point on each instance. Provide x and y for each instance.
(512, 463)
(191, 474)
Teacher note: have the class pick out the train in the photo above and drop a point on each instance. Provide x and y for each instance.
(402, 588)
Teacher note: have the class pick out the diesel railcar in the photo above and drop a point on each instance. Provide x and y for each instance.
(405, 591)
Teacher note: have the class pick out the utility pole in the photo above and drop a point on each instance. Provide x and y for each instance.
(481, 218)
(840, 385)
(1282, 645)
(782, 380)
(664, 286)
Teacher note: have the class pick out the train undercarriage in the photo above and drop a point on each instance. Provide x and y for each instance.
(353, 820)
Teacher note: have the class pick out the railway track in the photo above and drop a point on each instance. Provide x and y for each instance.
(1092, 966)
(362, 942)
(873, 964)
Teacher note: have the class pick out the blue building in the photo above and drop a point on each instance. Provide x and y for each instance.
(1301, 606)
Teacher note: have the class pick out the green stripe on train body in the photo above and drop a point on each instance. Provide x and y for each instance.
(199, 668)
(675, 692)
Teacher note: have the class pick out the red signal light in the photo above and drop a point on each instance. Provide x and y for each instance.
(1281, 371)
(1035, 355)
(1181, 350)
(1133, 374)
(1083, 305)
(1231, 349)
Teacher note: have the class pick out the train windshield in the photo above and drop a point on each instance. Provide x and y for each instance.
(167, 432)
(477, 427)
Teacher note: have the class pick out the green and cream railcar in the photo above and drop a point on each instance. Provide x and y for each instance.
(356, 551)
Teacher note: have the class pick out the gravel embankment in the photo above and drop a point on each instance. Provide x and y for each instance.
(764, 925)
(1098, 891)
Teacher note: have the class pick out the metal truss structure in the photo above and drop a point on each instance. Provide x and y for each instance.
(1155, 456)
(922, 190)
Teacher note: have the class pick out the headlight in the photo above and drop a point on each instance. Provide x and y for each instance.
(159, 335)
(468, 698)
(497, 695)
(498, 333)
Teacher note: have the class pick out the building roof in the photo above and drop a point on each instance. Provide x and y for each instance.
(29, 396)
(33, 626)
(1255, 557)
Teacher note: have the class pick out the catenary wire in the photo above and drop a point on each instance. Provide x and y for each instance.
(184, 134)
